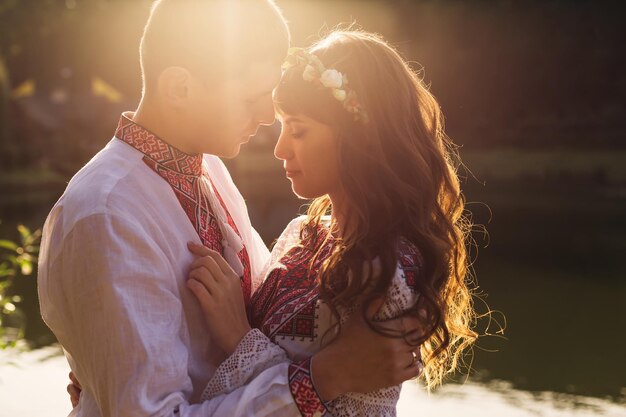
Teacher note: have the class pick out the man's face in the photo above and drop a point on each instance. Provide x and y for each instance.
(220, 116)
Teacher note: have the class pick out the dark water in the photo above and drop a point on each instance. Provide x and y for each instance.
(553, 267)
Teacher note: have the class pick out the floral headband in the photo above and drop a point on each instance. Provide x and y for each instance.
(316, 73)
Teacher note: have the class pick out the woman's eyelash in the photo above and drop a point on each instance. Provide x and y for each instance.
(297, 134)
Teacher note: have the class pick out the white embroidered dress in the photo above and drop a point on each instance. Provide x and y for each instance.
(291, 320)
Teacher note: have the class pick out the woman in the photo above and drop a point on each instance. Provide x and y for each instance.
(363, 137)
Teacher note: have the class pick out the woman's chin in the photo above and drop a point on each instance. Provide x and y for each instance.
(304, 194)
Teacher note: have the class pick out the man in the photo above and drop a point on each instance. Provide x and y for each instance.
(114, 259)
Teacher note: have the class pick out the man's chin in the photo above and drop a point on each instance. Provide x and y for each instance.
(232, 153)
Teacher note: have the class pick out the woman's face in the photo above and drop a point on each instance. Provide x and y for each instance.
(308, 150)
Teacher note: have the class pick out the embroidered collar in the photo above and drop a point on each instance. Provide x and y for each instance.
(156, 149)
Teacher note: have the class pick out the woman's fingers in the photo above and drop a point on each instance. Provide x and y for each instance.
(412, 371)
(206, 278)
(208, 263)
(199, 250)
(224, 266)
(203, 251)
(201, 293)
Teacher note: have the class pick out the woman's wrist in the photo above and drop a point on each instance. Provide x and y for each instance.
(236, 339)
(328, 382)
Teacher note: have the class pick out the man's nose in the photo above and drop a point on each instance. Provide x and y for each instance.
(266, 115)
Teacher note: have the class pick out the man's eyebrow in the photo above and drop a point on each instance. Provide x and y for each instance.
(291, 119)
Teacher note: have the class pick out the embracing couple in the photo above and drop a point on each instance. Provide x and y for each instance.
(164, 297)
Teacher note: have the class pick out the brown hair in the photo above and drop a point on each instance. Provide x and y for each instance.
(398, 171)
(211, 37)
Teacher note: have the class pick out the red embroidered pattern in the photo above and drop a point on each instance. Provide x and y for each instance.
(182, 172)
(286, 303)
(303, 390)
(410, 259)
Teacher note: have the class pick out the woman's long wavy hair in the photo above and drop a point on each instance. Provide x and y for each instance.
(398, 172)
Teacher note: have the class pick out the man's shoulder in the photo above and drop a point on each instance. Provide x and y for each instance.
(115, 179)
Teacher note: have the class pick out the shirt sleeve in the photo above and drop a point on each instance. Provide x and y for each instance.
(109, 295)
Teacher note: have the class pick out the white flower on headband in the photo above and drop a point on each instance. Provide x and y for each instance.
(335, 81)
(309, 73)
(339, 94)
(331, 78)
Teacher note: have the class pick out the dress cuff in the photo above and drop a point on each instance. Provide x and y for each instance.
(254, 354)
(303, 390)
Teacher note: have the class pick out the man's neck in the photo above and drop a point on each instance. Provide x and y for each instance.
(151, 118)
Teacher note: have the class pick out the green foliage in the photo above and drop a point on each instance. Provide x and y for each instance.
(17, 260)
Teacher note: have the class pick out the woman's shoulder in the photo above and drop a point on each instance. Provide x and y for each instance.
(289, 238)
(295, 227)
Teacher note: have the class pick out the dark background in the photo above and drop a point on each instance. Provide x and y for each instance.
(534, 92)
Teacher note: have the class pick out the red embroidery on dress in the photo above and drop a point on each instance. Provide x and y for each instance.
(182, 172)
(286, 303)
(303, 391)
(410, 259)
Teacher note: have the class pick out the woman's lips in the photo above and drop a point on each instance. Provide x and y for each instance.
(291, 173)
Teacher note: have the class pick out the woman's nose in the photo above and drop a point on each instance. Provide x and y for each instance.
(282, 150)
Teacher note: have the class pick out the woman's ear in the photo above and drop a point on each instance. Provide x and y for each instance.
(174, 85)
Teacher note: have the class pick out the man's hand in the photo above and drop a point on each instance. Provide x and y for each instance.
(74, 389)
(361, 360)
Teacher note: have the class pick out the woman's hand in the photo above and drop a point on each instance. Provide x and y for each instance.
(361, 360)
(218, 290)
(74, 389)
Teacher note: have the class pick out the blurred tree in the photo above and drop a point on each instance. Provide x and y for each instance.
(58, 54)
(16, 260)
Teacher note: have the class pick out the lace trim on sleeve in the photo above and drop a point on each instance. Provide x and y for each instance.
(381, 403)
(254, 354)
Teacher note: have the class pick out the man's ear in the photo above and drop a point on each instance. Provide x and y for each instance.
(174, 85)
